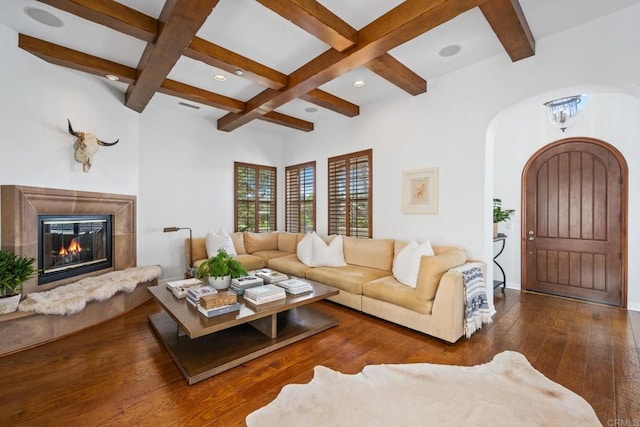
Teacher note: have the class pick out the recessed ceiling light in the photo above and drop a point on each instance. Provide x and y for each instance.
(310, 109)
(452, 49)
(112, 77)
(220, 77)
(238, 72)
(358, 83)
(43, 17)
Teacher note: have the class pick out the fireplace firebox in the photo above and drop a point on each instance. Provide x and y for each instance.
(71, 245)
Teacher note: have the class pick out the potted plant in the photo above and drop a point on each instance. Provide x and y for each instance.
(220, 269)
(500, 215)
(14, 271)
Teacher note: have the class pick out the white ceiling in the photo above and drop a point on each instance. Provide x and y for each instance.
(248, 28)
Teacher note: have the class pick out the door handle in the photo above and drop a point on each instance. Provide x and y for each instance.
(531, 237)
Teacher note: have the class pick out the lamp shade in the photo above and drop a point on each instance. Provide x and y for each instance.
(562, 111)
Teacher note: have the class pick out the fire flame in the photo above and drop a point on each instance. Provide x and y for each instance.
(74, 248)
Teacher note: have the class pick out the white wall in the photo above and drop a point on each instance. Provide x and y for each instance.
(453, 127)
(186, 180)
(36, 149)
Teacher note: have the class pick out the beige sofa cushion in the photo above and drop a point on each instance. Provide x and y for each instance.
(251, 262)
(390, 290)
(199, 250)
(267, 255)
(288, 242)
(288, 264)
(238, 242)
(432, 268)
(255, 242)
(349, 278)
(373, 253)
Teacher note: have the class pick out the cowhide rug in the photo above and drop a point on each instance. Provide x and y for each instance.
(507, 391)
(73, 297)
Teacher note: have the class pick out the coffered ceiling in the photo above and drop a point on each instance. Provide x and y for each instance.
(287, 62)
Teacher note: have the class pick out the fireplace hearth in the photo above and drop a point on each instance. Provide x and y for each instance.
(22, 206)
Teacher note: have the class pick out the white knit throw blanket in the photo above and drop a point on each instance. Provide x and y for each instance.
(73, 297)
(476, 305)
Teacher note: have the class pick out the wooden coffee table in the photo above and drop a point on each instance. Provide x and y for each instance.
(203, 347)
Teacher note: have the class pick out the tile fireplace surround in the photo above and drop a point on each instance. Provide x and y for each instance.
(20, 207)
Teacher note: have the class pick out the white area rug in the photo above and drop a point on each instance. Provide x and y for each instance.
(508, 391)
(72, 298)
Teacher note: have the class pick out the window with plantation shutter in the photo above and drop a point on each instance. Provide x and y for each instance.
(300, 198)
(350, 191)
(255, 193)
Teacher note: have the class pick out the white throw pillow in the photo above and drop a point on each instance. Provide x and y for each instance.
(305, 249)
(327, 255)
(406, 264)
(215, 241)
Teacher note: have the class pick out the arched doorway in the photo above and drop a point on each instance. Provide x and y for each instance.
(574, 221)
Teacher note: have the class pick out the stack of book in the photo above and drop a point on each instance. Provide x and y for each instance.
(179, 288)
(241, 284)
(219, 303)
(264, 294)
(295, 286)
(194, 294)
(270, 276)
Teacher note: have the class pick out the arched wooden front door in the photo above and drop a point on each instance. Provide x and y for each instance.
(574, 217)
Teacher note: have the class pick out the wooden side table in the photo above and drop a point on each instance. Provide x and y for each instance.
(502, 238)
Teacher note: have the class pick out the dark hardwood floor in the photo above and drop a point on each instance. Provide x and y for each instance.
(118, 373)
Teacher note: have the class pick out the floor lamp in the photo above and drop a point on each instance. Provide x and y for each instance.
(171, 230)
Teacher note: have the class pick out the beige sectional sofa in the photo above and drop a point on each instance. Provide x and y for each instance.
(435, 306)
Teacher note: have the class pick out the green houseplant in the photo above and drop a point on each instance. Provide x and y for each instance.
(500, 215)
(14, 271)
(220, 269)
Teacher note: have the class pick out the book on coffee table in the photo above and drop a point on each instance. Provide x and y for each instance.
(264, 294)
(295, 286)
(194, 294)
(241, 284)
(270, 276)
(219, 310)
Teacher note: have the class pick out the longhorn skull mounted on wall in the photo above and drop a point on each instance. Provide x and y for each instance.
(86, 146)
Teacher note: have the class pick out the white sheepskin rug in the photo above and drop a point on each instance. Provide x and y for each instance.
(507, 391)
(72, 298)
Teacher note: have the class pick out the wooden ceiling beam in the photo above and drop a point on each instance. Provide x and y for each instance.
(510, 25)
(136, 24)
(389, 68)
(317, 20)
(331, 102)
(80, 61)
(219, 57)
(73, 59)
(288, 121)
(180, 19)
(401, 24)
(111, 14)
(201, 96)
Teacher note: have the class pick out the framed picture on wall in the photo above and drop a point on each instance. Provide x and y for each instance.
(420, 191)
